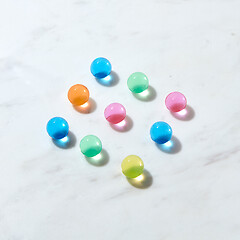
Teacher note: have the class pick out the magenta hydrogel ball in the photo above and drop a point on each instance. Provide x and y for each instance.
(175, 101)
(115, 113)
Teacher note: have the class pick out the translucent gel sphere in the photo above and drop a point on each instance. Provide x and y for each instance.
(115, 113)
(161, 132)
(90, 146)
(57, 128)
(175, 101)
(137, 82)
(101, 67)
(132, 166)
(78, 94)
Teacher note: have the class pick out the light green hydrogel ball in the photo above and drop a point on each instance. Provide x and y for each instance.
(137, 82)
(90, 145)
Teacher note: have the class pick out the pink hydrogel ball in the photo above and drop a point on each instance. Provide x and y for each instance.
(175, 101)
(115, 113)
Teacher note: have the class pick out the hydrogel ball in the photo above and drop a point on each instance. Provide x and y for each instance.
(78, 94)
(115, 113)
(57, 128)
(91, 146)
(137, 82)
(161, 132)
(175, 101)
(132, 166)
(101, 67)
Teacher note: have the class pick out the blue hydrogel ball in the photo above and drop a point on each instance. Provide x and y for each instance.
(101, 67)
(57, 128)
(161, 132)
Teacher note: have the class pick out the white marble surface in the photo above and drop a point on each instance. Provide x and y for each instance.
(49, 193)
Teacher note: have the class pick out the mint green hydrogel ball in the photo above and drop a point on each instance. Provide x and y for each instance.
(137, 82)
(90, 146)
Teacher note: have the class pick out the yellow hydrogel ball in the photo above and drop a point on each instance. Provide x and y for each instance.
(132, 166)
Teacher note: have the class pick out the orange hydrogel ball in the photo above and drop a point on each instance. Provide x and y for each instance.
(78, 94)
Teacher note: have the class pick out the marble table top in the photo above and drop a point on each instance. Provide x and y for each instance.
(189, 190)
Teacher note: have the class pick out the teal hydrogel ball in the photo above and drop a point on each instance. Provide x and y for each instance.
(91, 145)
(137, 82)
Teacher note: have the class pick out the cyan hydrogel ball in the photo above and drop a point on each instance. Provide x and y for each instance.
(101, 67)
(57, 128)
(161, 132)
